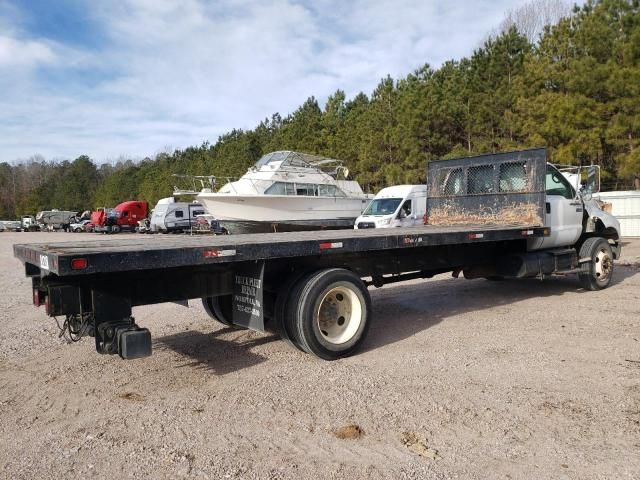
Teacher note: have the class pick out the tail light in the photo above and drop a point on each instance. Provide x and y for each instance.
(38, 297)
(425, 219)
(79, 263)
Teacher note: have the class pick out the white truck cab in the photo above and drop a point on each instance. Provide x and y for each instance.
(397, 206)
(571, 212)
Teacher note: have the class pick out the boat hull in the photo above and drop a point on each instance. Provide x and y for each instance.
(280, 213)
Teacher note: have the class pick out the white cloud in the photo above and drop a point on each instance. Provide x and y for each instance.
(21, 53)
(177, 73)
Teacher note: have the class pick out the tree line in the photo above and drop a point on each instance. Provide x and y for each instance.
(574, 88)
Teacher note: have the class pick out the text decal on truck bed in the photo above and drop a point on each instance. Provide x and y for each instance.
(411, 240)
(218, 253)
(44, 262)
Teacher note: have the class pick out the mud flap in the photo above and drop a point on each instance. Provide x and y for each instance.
(248, 289)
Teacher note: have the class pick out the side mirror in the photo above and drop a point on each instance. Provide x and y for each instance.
(592, 184)
(402, 214)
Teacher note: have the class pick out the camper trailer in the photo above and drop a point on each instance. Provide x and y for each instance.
(171, 216)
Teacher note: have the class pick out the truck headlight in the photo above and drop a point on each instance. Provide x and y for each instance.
(384, 221)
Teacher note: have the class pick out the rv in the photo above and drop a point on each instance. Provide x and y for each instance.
(398, 206)
(55, 219)
(171, 216)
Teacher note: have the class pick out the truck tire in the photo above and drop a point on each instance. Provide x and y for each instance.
(220, 309)
(596, 274)
(287, 332)
(330, 310)
(115, 229)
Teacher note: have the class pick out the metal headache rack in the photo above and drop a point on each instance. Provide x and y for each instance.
(494, 189)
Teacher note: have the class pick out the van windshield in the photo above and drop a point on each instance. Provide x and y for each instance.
(382, 206)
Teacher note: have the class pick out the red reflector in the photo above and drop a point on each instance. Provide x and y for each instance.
(36, 297)
(78, 263)
(329, 245)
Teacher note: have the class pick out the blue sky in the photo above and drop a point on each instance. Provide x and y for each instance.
(111, 78)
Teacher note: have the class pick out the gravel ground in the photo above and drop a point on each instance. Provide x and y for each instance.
(458, 379)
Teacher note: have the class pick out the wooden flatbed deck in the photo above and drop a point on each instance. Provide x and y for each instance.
(159, 251)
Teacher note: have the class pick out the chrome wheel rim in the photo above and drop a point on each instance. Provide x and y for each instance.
(603, 265)
(339, 315)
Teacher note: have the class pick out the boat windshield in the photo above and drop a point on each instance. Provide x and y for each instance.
(304, 190)
(293, 159)
(271, 158)
(382, 206)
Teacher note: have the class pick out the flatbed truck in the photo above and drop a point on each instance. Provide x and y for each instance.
(495, 216)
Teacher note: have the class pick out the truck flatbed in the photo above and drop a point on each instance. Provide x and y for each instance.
(311, 288)
(153, 252)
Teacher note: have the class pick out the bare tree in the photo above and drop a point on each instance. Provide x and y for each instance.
(531, 18)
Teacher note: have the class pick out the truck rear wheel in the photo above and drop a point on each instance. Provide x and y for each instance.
(329, 313)
(596, 274)
(287, 331)
(220, 309)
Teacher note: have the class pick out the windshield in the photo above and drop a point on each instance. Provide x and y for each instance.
(271, 158)
(382, 206)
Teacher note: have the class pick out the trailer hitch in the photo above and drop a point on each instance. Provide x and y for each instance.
(123, 337)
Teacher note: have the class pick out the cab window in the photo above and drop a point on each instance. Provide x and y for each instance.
(557, 184)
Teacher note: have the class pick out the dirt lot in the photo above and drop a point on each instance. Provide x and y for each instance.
(458, 379)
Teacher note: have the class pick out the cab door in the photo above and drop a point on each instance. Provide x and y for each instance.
(564, 212)
(405, 214)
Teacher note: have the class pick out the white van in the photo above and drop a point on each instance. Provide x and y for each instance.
(398, 206)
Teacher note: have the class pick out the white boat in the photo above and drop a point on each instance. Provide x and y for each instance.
(286, 191)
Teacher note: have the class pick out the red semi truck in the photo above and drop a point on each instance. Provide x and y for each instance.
(123, 217)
